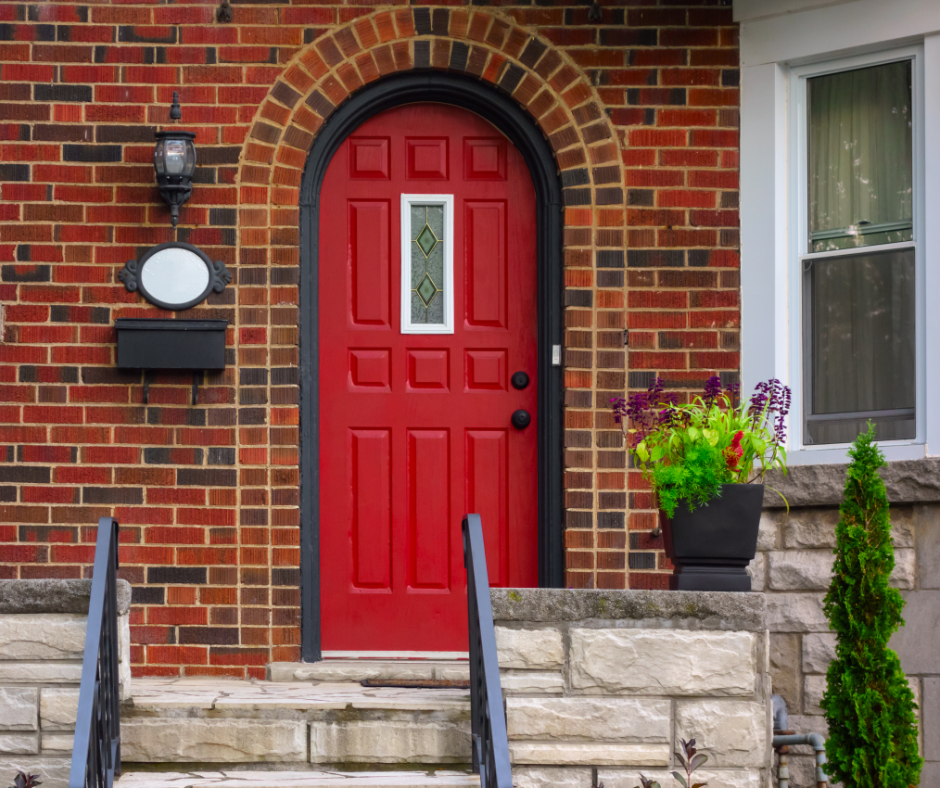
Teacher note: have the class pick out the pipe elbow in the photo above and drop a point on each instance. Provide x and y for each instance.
(816, 741)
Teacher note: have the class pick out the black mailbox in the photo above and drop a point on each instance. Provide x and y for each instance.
(152, 344)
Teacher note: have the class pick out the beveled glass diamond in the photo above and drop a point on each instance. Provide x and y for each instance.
(426, 240)
(426, 290)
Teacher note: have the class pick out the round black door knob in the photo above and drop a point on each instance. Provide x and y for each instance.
(521, 419)
(520, 380)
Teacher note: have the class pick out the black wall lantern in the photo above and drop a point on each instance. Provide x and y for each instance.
(174, 159)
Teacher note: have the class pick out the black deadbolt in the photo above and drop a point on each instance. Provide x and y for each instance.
(520, 380)
(521, 419)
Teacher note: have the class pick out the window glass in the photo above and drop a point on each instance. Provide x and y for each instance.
(859, 346)
(427, 264)
(860, 157)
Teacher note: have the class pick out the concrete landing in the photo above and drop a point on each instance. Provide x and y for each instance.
(375, 669)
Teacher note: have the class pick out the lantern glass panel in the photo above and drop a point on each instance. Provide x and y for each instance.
(175, 157)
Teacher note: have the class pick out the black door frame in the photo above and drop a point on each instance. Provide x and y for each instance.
(521, 130)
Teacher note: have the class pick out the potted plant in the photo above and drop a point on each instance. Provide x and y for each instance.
(706, 461)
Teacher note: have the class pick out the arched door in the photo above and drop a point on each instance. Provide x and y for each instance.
(427, 309)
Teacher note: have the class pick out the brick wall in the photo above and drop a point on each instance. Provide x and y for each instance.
(641, 111)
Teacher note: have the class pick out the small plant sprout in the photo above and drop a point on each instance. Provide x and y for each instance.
(692, 760)
(645, 782)
(26, 780)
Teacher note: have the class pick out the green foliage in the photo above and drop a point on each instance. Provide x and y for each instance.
(697, 478)
(868, 703)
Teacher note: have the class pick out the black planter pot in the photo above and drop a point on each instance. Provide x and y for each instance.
(711, 546)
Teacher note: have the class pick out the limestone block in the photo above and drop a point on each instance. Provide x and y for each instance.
(813, 689)
(530, 649)
(904, 523)
(588, 719)
(818, 651)
(757, 569)
(49, 672)
(800, 570)
(927, 522)
(588, 754)
(385, 741)
(124, 656)
(809, 528)
(557, 777)
(57, 742)
(58, 709)
(53, 771)
(630, 778)
(916, 641)
(18, 706)
(19, 743)
(42, 636)
(796, 613)
(904, 569)
(767, 535)
(930, 714)
(785, 667)
(180, 740)
(663, 662)
(731, 732)
(531, 683)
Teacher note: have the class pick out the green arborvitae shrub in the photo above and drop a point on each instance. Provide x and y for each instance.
(868, 703)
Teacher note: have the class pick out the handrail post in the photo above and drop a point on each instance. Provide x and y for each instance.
(488, 719)
(96, 751)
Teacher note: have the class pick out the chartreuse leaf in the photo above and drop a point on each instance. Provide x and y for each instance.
(641, 452)
(711, 435)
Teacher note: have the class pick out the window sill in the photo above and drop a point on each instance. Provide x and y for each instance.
(839, 456)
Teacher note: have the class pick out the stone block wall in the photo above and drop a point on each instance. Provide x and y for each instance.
(600, 686)
(42, 639)
(793, 568)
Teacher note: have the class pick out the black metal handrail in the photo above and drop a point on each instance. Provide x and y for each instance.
(488, 719)
(96, 752)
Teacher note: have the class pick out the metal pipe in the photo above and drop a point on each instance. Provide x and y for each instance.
(782, 740)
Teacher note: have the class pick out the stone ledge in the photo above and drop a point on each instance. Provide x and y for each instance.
(908, 481)
(55, 596)
(715, 610)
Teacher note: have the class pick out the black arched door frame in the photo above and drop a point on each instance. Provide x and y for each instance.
(521, 130)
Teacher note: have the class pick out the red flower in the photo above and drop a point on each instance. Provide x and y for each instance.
(734, 452)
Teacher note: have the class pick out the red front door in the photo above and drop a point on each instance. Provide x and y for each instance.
(416, 397)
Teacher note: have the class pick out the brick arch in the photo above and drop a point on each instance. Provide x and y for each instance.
(479, 44)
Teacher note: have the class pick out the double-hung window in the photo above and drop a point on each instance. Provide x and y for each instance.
(856, 269)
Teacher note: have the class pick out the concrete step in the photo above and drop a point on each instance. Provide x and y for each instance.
(297, 779)
(375, 669)
(207, 721)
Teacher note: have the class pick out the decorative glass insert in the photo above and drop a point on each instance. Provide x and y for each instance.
(427, 264)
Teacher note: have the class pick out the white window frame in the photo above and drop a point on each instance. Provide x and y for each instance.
(447, 287)
(773, 45)
(799, 241)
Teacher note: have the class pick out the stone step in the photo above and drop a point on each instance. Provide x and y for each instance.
(229, 722)
(375, 669)
(297, 779)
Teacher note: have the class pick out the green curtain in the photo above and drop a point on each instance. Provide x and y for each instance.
(860, 154)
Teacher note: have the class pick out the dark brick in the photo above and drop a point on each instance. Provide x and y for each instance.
(25, 474)
(253, 376)
(285, 577)
(458, 56)
(115, 495)
(642, 560)
(212, 636)
(655, 258)
(641, 380)
(511, 78)
(422, 21)
(640, 197)
(168, 575)
(23, 273)
(62, 92)
(285, 376)
(579, 298)
(127, 34)
(610, 278)
(440, 21)
(285, 276)
(609, 196)
(223, 217)
(422, 53)
(14, 172)
(610, 520)
(578, 519)
(610, 258)
(147, 595)
(579, 177)
(531, 54)
(91, 153)
(576, 196)
(252, 416)
(206, 477)
(730, 78)
(221, 456)
(319, 104)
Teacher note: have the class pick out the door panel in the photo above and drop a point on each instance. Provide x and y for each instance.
(415, 429)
